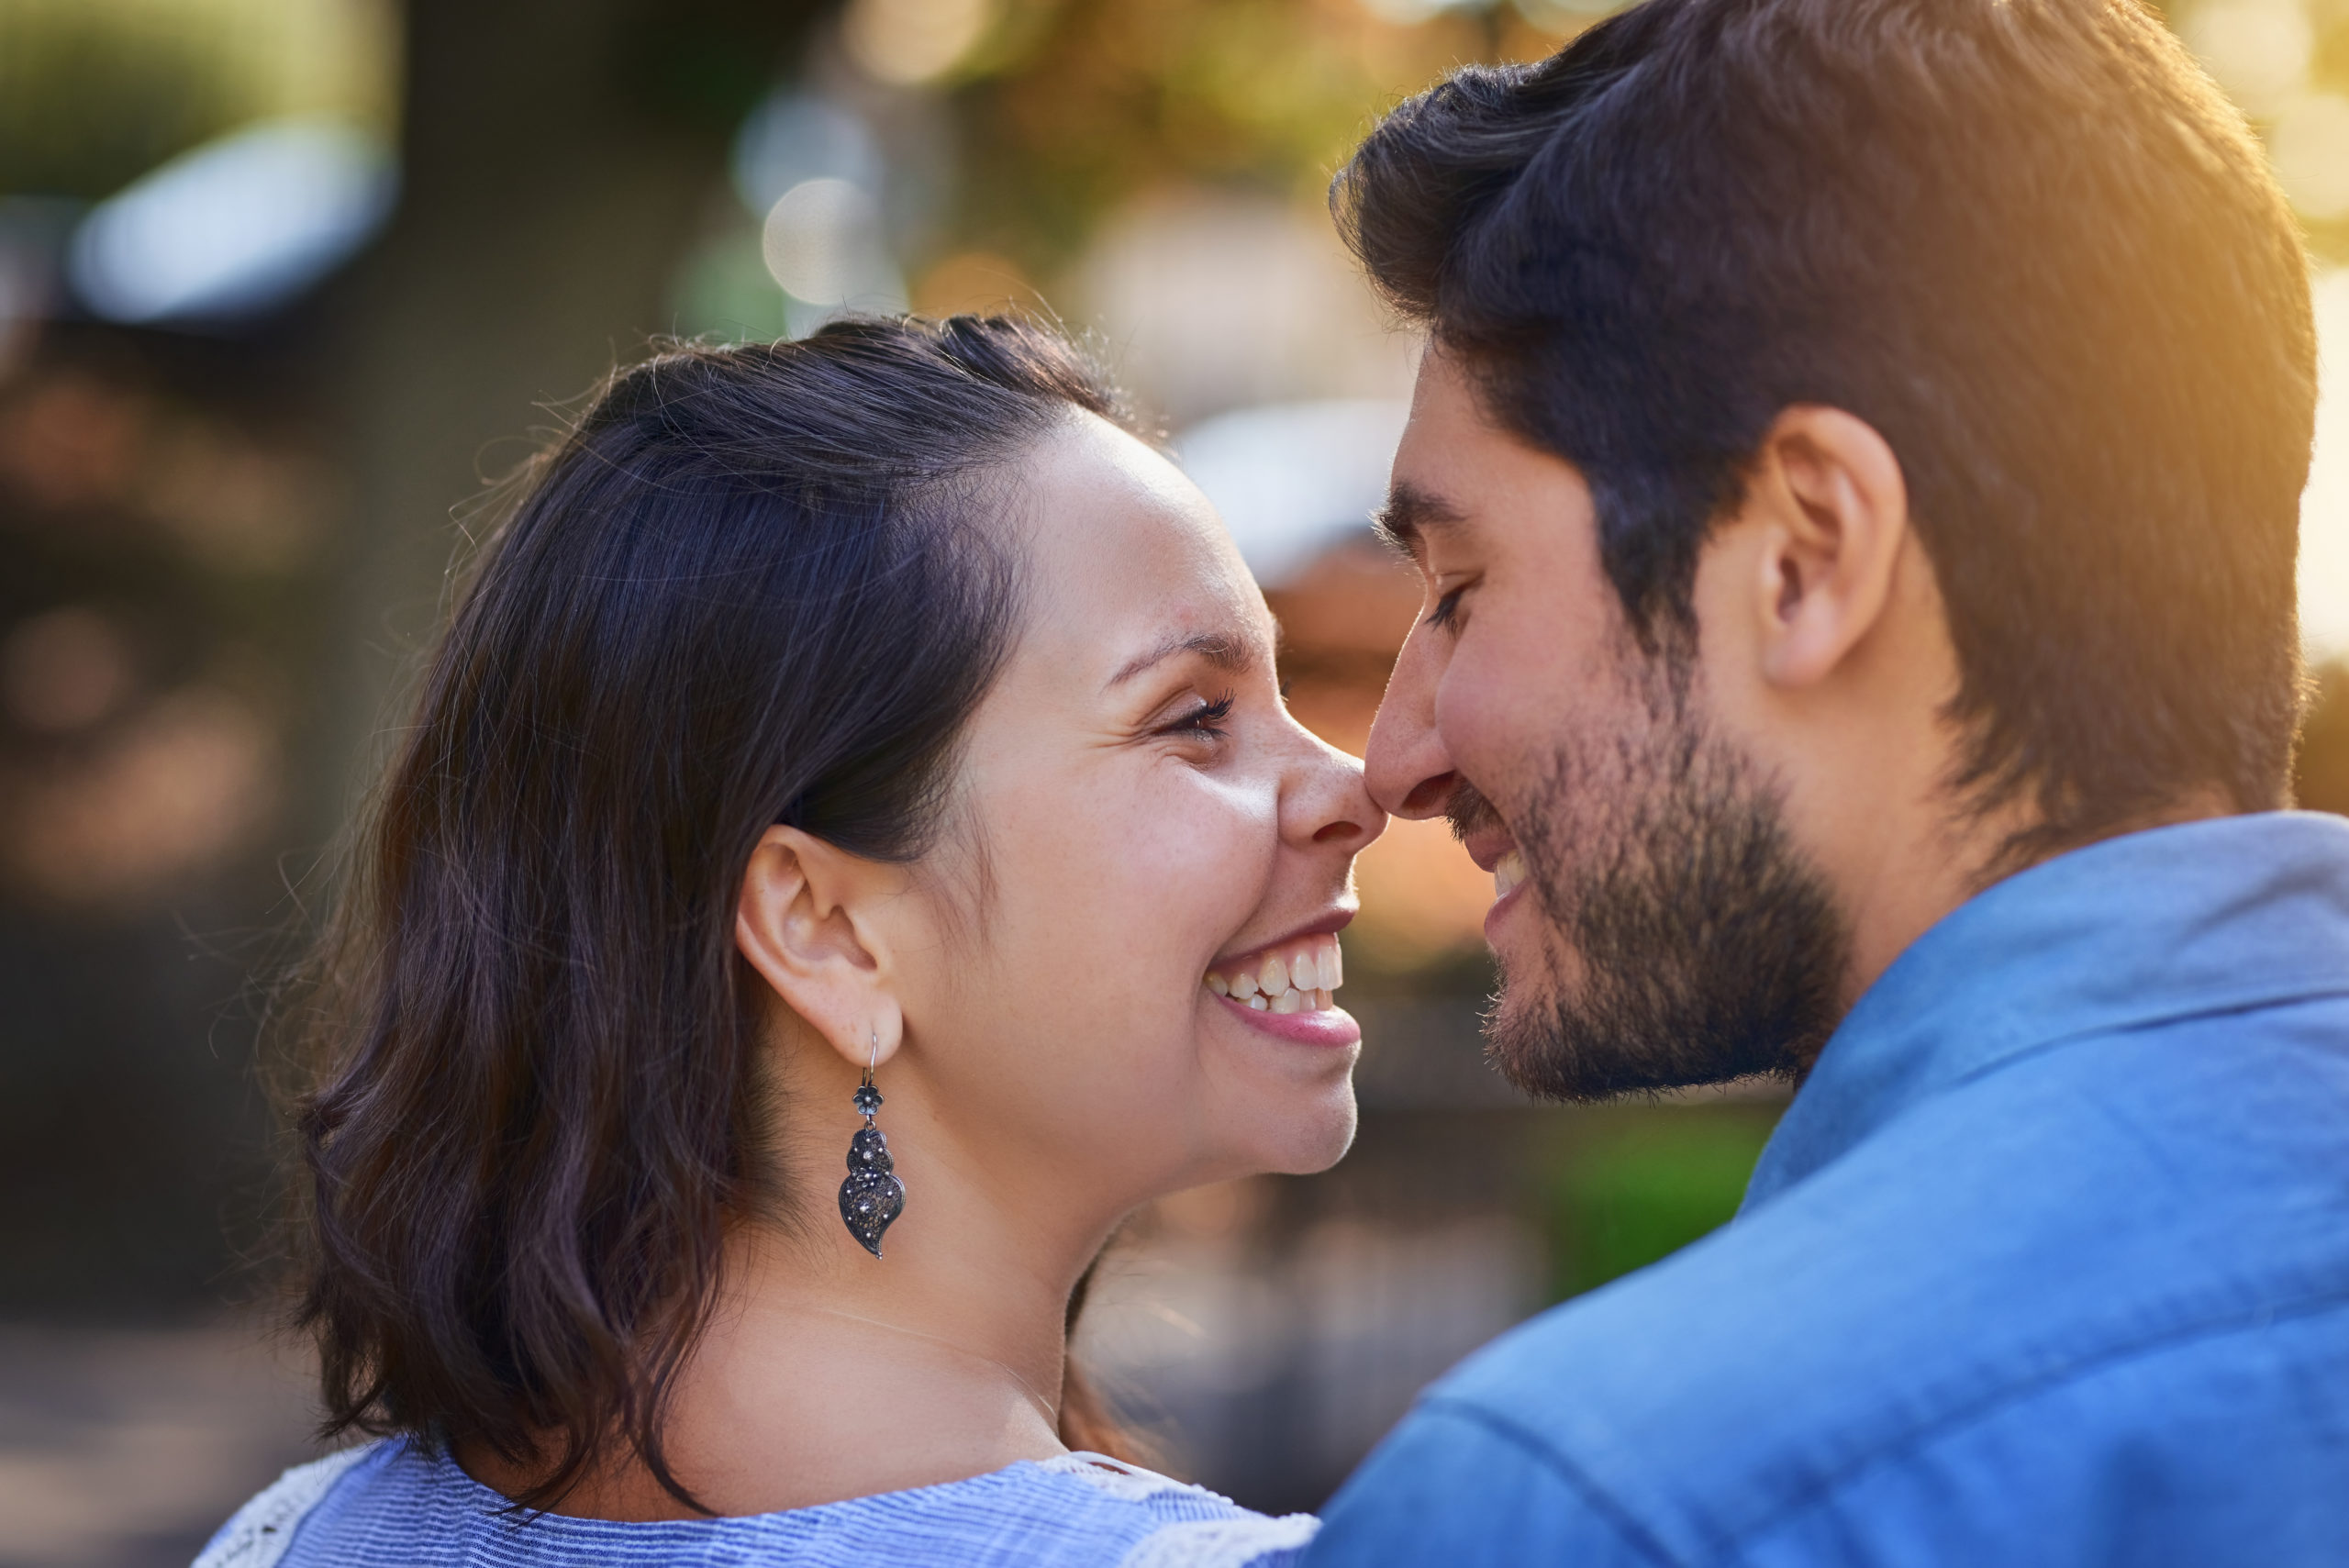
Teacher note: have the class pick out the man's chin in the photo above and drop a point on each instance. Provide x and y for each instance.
(1524, 1043)
(1549, 1046)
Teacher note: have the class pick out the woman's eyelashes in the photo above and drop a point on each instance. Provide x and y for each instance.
(1447, 607)
(1203, 721)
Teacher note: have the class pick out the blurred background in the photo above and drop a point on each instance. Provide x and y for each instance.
(284, 283)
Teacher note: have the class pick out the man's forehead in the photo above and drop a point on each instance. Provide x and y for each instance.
(1443, 442)
(1448, 402)
(1466, 477)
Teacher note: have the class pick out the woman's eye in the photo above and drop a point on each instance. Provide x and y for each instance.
(1207, 719)
(1447, 609)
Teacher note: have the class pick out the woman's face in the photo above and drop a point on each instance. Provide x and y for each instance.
(1142, 830)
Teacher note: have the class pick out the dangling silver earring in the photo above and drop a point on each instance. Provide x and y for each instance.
(871, 1198)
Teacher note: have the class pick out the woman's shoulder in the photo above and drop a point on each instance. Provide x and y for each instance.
(259, 1534)
(379, 1505)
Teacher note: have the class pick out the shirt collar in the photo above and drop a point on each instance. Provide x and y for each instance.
(2206, 916)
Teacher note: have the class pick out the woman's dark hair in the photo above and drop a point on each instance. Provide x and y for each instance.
(751, 586)
(2028, 240)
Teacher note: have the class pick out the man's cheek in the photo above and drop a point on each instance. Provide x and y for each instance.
(1475, 735)
(1496, 721)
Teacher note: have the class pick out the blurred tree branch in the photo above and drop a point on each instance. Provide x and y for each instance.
(557, 155)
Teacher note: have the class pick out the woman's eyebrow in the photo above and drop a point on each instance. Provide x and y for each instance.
(1220, 648)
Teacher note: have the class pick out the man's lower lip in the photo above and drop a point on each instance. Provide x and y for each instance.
(1323, 1026)
(1501, 906)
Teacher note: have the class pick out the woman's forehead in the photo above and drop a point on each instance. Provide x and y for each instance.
(1126, 555)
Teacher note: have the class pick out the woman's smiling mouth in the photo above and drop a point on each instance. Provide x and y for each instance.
(1291, 977)
(1284, 990)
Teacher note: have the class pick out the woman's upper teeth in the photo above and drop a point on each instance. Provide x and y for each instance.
(1508, 872)
(1295, 978)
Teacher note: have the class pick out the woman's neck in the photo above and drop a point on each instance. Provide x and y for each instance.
(827, 1373)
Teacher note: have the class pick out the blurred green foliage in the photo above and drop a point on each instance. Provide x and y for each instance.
(1646, 1182)
(704, 64)
(93, 95)
(1077, 104)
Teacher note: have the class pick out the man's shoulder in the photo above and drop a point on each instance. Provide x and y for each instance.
(2009, 1241)
(2063, 1206)
(1697, 1370)
(2183, 1448)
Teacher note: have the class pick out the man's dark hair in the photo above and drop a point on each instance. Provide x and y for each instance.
(2027, 241)
(750, 586)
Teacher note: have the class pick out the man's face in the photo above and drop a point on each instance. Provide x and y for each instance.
(1654, 924)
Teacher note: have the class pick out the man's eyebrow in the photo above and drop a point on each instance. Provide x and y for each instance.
(1220, 648)
(1409, 513)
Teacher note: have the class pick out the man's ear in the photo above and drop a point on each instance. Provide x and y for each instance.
(1828, 493)
(804, 922)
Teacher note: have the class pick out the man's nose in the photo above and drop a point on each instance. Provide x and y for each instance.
(1406, 767)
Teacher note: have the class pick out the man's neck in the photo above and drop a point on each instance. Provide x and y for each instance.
(1914, 884)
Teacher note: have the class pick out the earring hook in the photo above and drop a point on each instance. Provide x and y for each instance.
(867, 1097)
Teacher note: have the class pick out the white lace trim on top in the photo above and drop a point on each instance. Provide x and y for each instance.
(1220, 1543)
(261, 1531)
(1191, 1543)
(1118, 1478)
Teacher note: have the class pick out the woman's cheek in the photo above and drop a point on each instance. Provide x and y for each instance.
(1148, 882)
(1216, 862)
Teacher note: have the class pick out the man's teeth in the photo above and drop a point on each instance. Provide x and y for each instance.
(1295, 978)
(1508, 872)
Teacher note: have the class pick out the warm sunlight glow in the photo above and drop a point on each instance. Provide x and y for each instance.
(2324, 509)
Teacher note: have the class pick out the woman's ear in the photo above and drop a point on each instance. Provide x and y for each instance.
(804, 921)
(1835, 507)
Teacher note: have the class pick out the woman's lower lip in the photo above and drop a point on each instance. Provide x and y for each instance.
(1321, 1025)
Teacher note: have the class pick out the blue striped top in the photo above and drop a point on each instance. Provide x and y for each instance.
(396, 1504)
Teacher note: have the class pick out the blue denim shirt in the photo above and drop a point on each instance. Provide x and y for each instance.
(2048, 1263)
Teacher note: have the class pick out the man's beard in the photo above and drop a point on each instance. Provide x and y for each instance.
(1689, 941)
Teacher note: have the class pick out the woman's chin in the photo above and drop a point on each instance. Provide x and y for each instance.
(1314, 1136)
(1337, 1137)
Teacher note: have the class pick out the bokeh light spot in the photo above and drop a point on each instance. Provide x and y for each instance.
(2258, 49)
(816, 237)
(65, 670)
(908, 41)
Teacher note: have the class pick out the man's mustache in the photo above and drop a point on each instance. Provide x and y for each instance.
(1468, 811)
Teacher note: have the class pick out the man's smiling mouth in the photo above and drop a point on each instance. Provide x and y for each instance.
(1509, 872)
(1478, 827)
